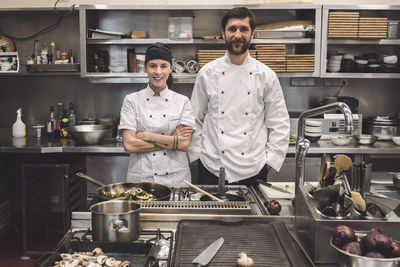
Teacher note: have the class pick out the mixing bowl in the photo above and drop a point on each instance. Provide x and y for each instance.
(89, 134)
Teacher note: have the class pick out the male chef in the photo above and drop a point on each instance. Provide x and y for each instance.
(241, 117)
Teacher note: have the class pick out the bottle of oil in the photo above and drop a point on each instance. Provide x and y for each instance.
(51, 123)
(60, 108)
(64, 125)
(72, 116)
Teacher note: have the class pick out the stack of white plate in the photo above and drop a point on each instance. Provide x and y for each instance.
(334, 63)
(313, 130)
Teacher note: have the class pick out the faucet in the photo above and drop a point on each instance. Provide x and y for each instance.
(302, 144)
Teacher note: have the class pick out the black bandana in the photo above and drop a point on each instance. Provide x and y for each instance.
(159, 51)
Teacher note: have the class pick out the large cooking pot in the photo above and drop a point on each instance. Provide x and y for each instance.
(115, 221)
(161, 192)
(383, 127)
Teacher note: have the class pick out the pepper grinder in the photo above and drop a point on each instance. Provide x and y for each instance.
(221, 180)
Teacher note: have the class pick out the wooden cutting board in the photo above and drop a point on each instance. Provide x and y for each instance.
(271, 193)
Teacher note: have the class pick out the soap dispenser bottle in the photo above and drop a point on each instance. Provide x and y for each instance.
(19, 129)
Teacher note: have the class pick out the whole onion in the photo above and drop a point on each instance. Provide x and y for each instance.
(374, 254)
(353, 248)
(376, 241)
(343, 235)
(273, 207)
(395, 250)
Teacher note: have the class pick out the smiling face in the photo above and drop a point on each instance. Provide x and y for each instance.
(158, 71)
(237, 35)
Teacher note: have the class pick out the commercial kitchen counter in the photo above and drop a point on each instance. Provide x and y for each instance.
(30, 144)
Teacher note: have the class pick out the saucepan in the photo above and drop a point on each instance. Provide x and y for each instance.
(105, 192)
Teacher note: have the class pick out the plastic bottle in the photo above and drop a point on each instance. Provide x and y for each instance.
(72, 116)
(19, 128)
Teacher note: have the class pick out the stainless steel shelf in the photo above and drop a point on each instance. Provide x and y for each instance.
(126, 77)
(193, 41)
(362, 75)
(370, 42)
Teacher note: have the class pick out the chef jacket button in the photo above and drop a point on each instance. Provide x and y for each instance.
(162, 133)
(222, 112)
(223, 73)
(154, 154)
(164, 115)
(147, 99)
(166, 100)
(166, 173)
(223, 152)
(242, 154)
(222, 92)
(165, 154)
(222, 132)
(151, 116)
(248, 93)
(246, 113)
(155, 173)
(244, 133)
(251, 73)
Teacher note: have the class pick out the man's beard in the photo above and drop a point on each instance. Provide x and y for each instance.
(245, 46)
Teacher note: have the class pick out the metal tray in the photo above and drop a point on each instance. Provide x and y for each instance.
(139, 254)
(270, 34)
(268, 244)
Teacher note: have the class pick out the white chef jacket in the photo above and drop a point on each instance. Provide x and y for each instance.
(241, 118)
(142, 111)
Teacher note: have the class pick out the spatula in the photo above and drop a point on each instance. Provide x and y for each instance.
(342, 163)
(322, 169)
(327, 170)
(359, 202)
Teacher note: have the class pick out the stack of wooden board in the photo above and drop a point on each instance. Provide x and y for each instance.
(372, 28)
(343, 24)
(274, 56)
(206, 56)
(300, 63)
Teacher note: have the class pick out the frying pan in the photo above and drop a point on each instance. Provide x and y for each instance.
(161, 192)
(223, 197)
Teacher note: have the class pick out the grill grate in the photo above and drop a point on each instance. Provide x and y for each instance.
(207, 207)
(268, 244)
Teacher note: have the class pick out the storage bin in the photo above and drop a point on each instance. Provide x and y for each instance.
(180, 27)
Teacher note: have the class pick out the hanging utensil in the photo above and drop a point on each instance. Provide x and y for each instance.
(322, 169)
(342, 163)
(324, 179)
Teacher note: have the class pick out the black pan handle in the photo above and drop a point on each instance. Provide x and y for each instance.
(90, 179)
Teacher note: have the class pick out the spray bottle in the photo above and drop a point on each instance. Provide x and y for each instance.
(19, 129)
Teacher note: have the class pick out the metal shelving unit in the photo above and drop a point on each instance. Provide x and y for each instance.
(206, 22)
(359, 45)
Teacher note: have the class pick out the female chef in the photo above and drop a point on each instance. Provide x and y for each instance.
(157, 124)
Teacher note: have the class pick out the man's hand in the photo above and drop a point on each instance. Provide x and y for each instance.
(183, 130)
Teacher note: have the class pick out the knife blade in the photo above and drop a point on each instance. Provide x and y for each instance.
(206, 255)
(273, 187)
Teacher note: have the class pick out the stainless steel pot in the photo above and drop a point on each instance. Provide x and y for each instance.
(384, 128)
(115, 221)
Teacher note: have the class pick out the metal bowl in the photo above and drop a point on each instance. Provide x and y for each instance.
(365, 139)
(348, 259)
(89, 134)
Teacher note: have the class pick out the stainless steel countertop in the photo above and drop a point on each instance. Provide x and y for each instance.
(30, 144)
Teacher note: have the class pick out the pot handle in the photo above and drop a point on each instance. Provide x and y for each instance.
(90, 179)
(118, 224)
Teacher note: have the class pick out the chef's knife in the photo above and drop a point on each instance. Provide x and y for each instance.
(206, 255)
(273, 186)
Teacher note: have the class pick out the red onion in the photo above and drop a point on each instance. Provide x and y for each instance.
(353, 248)
(273, 207)
(343, 235)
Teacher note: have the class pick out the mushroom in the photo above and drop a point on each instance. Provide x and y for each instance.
(101, 259)
(94, 264)
(124, 264)
(97, 251)
(110, 262)
(244, 261)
